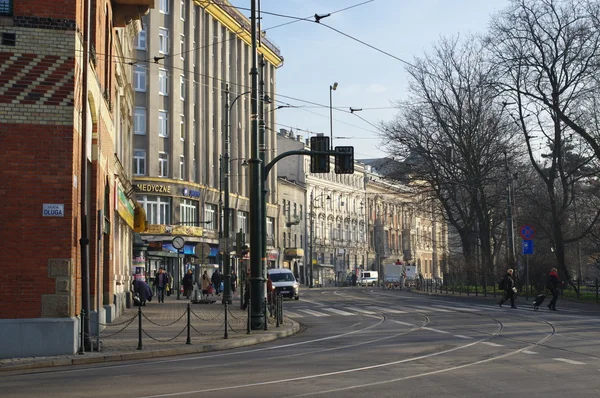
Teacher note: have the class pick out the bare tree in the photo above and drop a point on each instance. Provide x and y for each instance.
(452, 136)
(546, 57)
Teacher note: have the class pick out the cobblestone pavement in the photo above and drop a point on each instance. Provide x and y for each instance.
(165, 332)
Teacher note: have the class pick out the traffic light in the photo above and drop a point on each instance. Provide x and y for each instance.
(319, 163)
(240, 241)
(344, 160)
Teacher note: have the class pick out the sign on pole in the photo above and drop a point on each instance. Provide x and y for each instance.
(527, 232)
(527, 247)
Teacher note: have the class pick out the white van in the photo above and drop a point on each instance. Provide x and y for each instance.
(367, 278)
(284, 282)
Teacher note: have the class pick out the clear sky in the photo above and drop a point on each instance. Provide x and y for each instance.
(316, 57)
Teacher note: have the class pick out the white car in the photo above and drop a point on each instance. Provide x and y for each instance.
(284, 282)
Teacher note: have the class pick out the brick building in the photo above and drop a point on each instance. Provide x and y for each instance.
(55, 117)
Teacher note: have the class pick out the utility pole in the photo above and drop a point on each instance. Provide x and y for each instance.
(227, 297)
(257, 280)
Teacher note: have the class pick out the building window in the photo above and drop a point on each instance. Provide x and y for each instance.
(141, 40)
(181, 167)
(139, 162)
(163, 6)
(188, 212)
(182, 46)
(182, 10)
(139, 78)
(210, 221)
(6, 7)
(158, 209)
(270, 228)
(242, 221)
(194, 175)
(163, 164)
(163, 40)
(163, 82)
(182, 128)
(139, 121)
(163, 124)
(182, 87)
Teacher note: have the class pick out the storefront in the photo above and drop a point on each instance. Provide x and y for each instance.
(292, 259)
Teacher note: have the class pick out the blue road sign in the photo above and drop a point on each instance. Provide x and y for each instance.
(527, 246)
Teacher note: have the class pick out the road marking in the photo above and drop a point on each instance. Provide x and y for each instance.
(570, 361)
(390, 310)
(435, 330)
(458, 308)
(360, 310)
(292, 314)
(460, 336)
(412, 308)
(491, 344)
(404, 323)
(432, 309)
(314, 313)
(529, 352)
(339, 312)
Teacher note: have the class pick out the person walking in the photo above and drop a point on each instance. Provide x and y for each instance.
(553, 286)
(188, 283)
(508, 285)
(205, 284)
(161, 281)
(216, 281)
(233, 281)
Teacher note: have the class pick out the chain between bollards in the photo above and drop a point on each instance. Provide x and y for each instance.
(139, 328)
(226, 336)
(189, 324)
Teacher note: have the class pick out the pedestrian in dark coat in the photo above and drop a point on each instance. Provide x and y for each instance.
(216, 281)
(143, 290)
(553, 286)
(233, 281)
(509, 289)
(188, 283)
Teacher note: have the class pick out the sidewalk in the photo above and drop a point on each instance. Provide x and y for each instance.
(164, 333)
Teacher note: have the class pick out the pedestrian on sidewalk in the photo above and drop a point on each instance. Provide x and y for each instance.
(553, 286)
(161, 282)
(246, 291)
(188, 283)
(233, 281)
(205, 284)
(143, 291)
(508, 285)
(216, 281)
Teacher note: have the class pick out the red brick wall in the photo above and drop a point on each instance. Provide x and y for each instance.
(61, 9)
(37, 167)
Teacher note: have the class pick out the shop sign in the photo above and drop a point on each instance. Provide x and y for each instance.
(295, 252)
(53, 210)
(124, 207)
(191, 193)
(272, 255)
(154, 188)
(156, 229)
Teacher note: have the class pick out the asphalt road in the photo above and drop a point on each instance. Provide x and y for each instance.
(367, 342)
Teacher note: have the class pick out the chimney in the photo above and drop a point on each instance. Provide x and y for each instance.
(299, 137)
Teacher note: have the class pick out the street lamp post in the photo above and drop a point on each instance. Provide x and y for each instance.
(331, 89)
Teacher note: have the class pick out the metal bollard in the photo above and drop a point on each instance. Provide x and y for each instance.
(140, 328)
(265, 313)
(189, 321)
(249, 306)
(226, 336)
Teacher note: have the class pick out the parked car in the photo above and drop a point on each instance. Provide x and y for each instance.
(284, 282)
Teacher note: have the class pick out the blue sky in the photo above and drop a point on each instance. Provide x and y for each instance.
(316, 57)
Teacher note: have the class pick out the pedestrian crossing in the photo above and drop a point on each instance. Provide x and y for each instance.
(372, 310)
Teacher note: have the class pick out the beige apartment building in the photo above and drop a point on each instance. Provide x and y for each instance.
(188, 53)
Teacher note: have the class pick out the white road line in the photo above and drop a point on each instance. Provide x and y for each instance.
(412, 308)
(390, 310)
(491, 344)
(360, 310)
(314, 313)
(338, 312)
(435, 330)
(404, 323)
(292, 314)
(529, 352)
(570, 361)
(458, 308)
(437, 309)
(460, 336)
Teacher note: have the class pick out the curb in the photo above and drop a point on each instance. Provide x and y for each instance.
(222, 345)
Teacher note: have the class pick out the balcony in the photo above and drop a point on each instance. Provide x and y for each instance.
(126, 11)
(292, 220)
